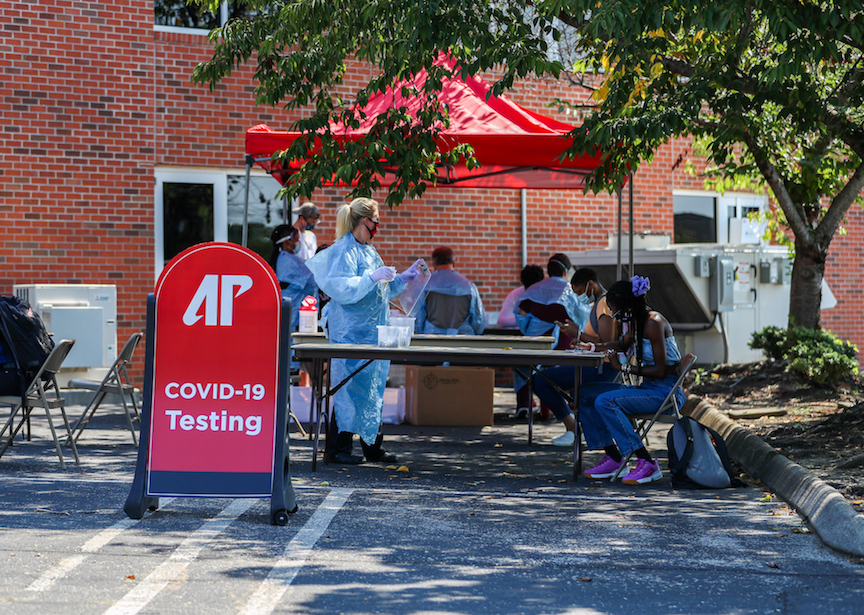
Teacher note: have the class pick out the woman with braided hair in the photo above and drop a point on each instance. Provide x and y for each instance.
(604, 407)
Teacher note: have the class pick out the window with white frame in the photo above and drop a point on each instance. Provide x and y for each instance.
(177, 14)
(196, 206)
(705, 217)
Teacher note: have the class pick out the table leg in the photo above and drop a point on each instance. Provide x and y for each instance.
(317, 378)
(530, 404)
(577, 442)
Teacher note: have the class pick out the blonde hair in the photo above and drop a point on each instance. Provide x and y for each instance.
(349, 215)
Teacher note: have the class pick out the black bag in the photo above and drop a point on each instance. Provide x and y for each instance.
(698, 458)
(24, 337)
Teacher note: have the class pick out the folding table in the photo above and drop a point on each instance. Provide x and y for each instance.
(318, 354)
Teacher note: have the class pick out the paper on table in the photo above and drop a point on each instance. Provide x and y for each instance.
(407, 301)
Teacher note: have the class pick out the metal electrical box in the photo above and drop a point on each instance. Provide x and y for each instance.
(715, 296)
(86, 313)
(721, 296)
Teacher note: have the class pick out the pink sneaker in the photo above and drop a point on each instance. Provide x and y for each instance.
(605, 469)
(645, 472)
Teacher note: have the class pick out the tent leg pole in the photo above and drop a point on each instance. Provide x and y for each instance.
(245, 239)
(523, 205)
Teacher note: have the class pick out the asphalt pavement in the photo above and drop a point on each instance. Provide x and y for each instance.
(470, 520)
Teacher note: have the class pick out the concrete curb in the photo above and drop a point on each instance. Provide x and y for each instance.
(822, 506)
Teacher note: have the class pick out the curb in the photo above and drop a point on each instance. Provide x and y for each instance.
(829, 514)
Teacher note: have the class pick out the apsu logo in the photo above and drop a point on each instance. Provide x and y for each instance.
(218, 303)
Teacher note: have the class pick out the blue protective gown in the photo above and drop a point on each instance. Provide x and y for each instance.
(291, 270)
(357, 306)
(449, 282)
(546, 292)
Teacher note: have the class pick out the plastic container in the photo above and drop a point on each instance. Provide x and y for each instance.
(404, 337)
(403, 321)
(388, 336)
(308, 315)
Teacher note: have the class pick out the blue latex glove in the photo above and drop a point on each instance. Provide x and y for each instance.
(412, 273)
(383, 274)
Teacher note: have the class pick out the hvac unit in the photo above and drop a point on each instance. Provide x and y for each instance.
(86, 313)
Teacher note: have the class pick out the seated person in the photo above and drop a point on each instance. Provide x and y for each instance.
(528, 276)
(600, 327)
(604, 407)
(451, 303)
(550, 300)
(541, 305)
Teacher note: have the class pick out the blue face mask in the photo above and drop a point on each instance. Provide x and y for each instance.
(584, 299)
(309, 226)
(296, 249)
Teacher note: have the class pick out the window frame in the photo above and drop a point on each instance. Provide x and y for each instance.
(722, 202)
(218, 178)
(223, 17)
(219, 181)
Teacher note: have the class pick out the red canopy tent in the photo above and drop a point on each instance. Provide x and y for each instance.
(516, 148)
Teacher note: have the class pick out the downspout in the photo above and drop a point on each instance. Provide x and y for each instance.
(618, 243)
(630, 271)
(523, 204)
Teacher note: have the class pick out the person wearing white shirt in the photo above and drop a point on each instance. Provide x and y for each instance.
(307, 218)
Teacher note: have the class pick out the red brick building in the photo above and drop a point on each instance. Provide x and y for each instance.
(103, 134)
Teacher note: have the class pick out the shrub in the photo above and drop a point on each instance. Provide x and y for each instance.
(814, 353)
(772, 341)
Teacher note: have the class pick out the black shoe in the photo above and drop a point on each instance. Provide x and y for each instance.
(384, 458)
(346, 458)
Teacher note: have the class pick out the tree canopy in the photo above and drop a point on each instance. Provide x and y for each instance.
(773, 90)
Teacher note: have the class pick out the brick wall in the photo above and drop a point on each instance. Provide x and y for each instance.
(76, 173)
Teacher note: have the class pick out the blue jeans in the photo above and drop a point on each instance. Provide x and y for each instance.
(565, 377)
(604, 410)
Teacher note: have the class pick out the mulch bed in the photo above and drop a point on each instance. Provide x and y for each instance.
(822, 428)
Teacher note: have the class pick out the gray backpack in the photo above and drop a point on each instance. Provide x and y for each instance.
(698, 458)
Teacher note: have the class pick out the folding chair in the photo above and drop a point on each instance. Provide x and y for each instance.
(37, 394)
(644, 422)
(115, 381)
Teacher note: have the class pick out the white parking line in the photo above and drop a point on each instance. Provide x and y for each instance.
(66, 565)
(271, 590)
(174, 567)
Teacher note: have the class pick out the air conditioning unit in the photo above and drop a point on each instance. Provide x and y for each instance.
(86, 313)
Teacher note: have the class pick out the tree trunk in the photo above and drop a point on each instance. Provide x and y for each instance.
(805, 293)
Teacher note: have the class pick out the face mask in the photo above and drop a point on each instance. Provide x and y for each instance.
(584, 299)
(296, 249)
(372, 231)
(309, 226)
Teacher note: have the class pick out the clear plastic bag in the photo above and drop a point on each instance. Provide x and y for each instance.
(408, 299)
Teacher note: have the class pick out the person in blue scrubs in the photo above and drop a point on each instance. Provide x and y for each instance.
(295, 279)
(360, 288)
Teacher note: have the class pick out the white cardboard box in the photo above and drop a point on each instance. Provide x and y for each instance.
(394, 405)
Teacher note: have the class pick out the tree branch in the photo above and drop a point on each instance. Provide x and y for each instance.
(841, 203)
(803, 232)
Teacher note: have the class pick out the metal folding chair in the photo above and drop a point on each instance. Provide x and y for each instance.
(644, 422)
(115, 381)
(42, 392)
